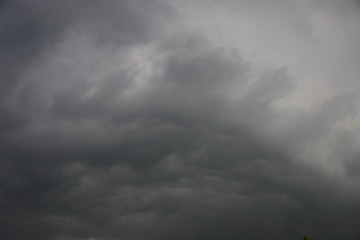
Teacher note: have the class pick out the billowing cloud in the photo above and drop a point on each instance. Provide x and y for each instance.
(182, 120)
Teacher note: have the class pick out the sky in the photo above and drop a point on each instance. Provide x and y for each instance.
(179, 119)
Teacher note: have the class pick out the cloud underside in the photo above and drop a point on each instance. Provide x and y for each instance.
(119, 121)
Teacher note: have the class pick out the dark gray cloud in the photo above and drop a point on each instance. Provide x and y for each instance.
(130, 120)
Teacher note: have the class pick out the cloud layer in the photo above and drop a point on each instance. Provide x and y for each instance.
(182, 120)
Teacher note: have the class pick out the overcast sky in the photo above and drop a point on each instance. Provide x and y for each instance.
(179, 119)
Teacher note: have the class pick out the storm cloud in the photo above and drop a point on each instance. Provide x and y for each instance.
(179, 119)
